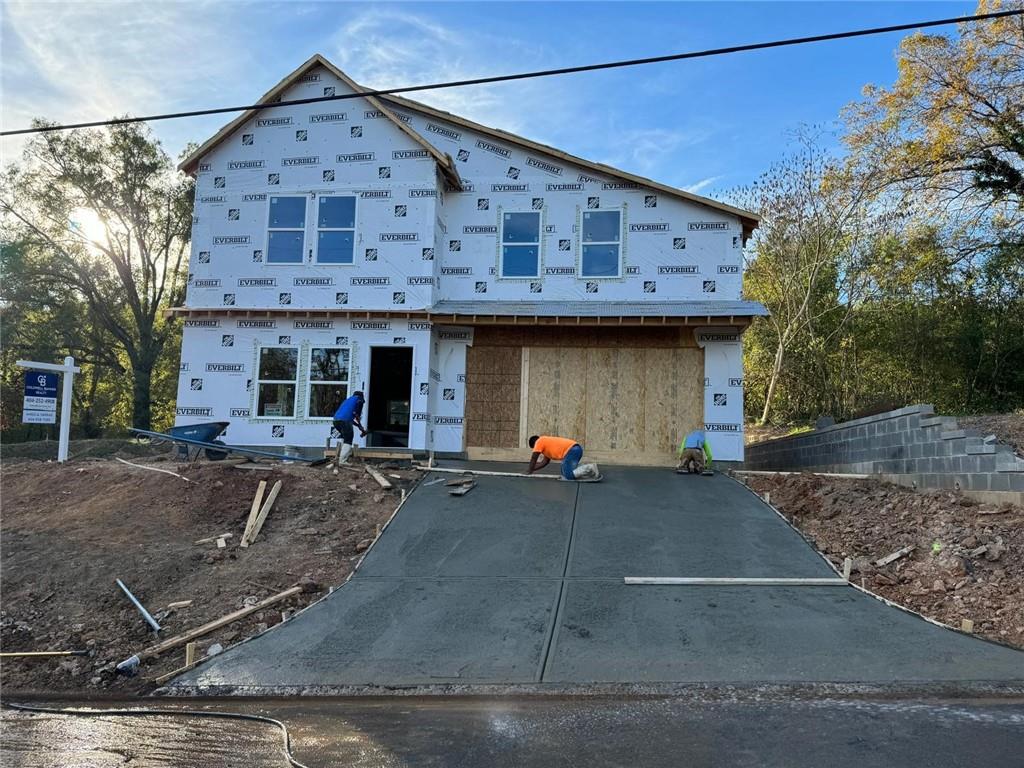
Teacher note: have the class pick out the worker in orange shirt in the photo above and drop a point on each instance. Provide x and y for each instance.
(547, 448)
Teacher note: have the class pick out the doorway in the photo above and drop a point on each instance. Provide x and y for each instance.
(389, 399)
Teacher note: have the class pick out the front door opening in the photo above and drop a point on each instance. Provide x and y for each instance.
(389, 398)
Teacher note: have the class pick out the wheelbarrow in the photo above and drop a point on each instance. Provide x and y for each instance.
(203, 437)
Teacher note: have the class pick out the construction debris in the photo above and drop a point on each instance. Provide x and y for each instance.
(130, 664)
(179, 604)
(463, 488)
(211, 539)
(254, 511)
(382, 481)
(882, 561)
(261, 518)
(153, 469)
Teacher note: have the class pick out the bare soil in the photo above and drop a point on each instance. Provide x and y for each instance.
(69, 531)
(967, 562)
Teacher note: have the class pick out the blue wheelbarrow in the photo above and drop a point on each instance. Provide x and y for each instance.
(203, 437)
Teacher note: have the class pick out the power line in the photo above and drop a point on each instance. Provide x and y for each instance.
(529, 75)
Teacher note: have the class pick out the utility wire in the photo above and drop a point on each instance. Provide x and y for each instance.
(529, 75)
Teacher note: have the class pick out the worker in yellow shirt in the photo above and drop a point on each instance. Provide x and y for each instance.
(547, 448)
(695, 454)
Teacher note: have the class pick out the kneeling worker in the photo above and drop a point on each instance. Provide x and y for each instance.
(569, 452)
(348, 413)
(694, 454)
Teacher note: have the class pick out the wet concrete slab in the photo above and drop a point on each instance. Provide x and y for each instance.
(383, 631)
(613, 632)
(488, 532)
(653, 522)
(520, 582)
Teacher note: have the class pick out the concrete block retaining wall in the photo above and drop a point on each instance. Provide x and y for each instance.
(910, 446)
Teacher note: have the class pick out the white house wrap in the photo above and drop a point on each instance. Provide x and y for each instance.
(476, 286)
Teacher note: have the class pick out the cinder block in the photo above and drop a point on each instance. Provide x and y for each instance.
(1017, 481)
(978, 481)
(952, 434)
(999, 481)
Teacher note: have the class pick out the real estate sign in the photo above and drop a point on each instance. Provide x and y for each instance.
(40, 406)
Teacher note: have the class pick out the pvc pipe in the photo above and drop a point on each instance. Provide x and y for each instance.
(145, 614)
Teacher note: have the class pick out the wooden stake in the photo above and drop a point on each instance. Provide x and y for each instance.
(190, 653)
(895, 556)
(847, 568)
(258, 525)
(254, 511)
(179, 604)
(382, 481)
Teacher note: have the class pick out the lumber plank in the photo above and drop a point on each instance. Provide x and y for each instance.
(179, 604)
(210, 626)
(211, 539)
(382, 481)
(258, 525)
(254, 511)
(894, 556)
(699, 581)
(484, 472)
(190, 653)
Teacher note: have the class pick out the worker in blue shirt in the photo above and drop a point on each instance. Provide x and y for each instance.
(694, 454)
(348, 413)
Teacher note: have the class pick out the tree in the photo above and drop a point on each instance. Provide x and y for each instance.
(808, 260)
(111, 220)
(949, 133)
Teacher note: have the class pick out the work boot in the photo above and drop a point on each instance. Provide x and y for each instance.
(344, 453)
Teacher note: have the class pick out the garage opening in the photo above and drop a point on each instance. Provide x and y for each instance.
(389, 397)
(627, 394)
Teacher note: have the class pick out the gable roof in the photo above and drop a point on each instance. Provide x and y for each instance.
(444, 161)
(748, 220)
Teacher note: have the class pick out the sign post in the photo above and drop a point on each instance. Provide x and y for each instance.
(40, 405)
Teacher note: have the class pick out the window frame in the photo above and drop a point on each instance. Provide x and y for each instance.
(621, 243)
(502, 244)
(257, 381)
(317, 229)
(268, 229)
(310, 383)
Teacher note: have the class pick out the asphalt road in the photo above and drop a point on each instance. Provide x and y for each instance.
(520, 582)
(448, 732)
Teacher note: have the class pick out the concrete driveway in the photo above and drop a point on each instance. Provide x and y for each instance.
(521, 582)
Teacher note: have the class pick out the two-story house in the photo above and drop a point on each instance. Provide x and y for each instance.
(478, 287)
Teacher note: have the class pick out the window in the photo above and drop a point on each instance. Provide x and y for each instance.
(328, 381)
(286, 225)
(602, 244)
(275, 387)
(520, 244)
(335, 230)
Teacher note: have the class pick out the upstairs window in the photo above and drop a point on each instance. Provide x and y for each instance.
(520, 244)
(275, 388)
(335, 230)
(286, 228)
(328, 381)
(602, 244)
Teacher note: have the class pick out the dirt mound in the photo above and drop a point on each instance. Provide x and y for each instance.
(966, 562)
(1007, 427)
(69, 531)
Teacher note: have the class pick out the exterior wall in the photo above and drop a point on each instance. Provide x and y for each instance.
(219, 366)
(910, 446)
(447, 387)
(347, 148)
(723, 391)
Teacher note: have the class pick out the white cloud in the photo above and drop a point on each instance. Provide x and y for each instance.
(702, 184)
(74, 62)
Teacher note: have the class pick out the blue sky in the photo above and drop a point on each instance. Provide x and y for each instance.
(706, 125)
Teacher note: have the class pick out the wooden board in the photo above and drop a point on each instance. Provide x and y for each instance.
(556, 393)
(493, 377)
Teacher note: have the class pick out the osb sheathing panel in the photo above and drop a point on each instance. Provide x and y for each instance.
(616, 401)
(651, 337)
(493, 378)
(556, 394)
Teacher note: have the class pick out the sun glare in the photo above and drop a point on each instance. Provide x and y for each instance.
(88, 224)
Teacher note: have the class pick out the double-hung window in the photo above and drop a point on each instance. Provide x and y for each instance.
(520, 244)
(335, 230)
(328, 381)
(602, 244)
(286, 229)
(275, 387)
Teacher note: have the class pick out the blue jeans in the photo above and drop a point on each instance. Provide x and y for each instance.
(571, 461)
